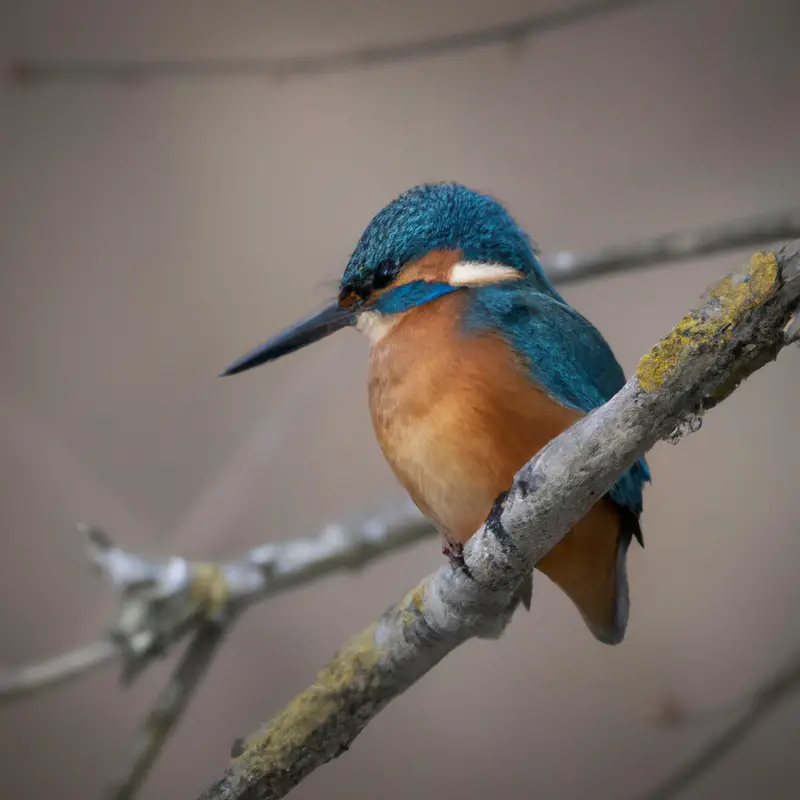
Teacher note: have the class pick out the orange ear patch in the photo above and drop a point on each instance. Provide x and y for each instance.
(433, 266)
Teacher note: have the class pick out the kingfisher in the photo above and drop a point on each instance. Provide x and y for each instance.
(476, 363)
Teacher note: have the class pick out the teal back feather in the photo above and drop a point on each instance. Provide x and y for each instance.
(567, 356)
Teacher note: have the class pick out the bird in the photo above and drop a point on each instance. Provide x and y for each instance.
(476, 363)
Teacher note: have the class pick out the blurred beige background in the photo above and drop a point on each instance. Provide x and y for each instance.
(148, 236)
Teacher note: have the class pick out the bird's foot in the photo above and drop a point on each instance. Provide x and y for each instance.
(455, 553)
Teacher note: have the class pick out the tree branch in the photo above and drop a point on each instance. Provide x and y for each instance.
(28, 71)
(160, 602)
(738, 328)
(756, 231)
(19, 683)
(763, 702)
(168, 709)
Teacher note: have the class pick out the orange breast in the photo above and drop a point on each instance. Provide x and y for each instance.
(456, 414)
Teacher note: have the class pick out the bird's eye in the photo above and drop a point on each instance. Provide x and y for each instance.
(348, 296)
(384, 274)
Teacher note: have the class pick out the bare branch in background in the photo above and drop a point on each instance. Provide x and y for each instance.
(27, 71)
(19, 683)
(764, 701)
(739, 328)
(766, 229)
(162, 601)
(168, 709)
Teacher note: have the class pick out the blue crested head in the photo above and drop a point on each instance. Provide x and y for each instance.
(488, 244)
(439, 216)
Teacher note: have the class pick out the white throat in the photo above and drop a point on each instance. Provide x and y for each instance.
(374, 325)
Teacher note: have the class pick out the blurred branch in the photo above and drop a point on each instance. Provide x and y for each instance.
(568, 267)
(19, 683)
(168, 709)
(764, 701)
(28, 71)
(162, 601)
(739, 327)
(181, 596)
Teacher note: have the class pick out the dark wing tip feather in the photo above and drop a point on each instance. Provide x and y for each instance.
(630, 525)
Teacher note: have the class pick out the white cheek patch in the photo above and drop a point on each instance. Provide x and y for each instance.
(475, 273)
(374, 325)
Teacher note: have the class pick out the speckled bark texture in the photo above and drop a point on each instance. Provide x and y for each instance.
(738, 328)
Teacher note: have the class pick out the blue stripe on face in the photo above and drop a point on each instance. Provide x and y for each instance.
(410, 295)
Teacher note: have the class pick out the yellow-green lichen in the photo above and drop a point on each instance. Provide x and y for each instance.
(326, 704)
(209, 589)
(412, 605)
(727, 302)
(276, 746)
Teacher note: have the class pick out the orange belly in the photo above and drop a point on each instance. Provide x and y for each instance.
(456, 417)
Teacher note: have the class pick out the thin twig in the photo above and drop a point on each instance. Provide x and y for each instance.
(168, 709)
(27, 71)
(756, 231)
(764, 701)
(737, 330)
(19, 683)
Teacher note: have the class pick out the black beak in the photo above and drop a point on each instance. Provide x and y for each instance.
(309, 330)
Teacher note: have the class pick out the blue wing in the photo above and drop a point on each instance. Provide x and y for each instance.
(566, 354)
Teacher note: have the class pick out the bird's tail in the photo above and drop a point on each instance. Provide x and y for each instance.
(589, 565)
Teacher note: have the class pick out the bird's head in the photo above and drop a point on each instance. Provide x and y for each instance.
(430, 241)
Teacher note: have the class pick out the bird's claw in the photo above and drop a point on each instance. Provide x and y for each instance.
(455, 553)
